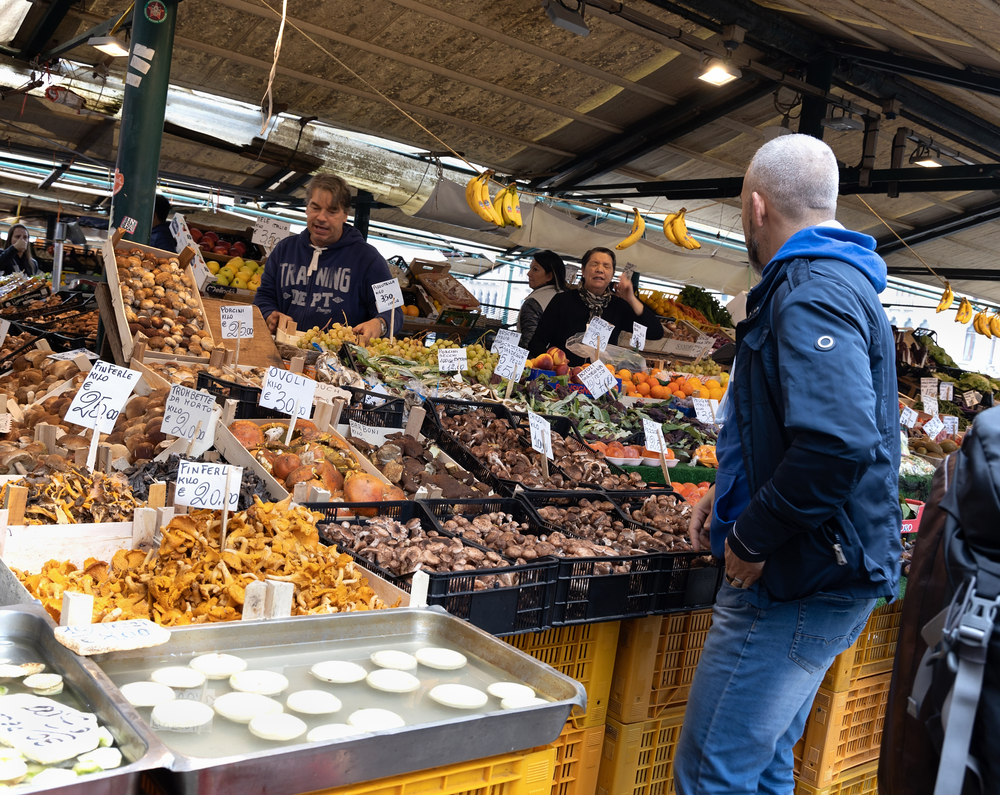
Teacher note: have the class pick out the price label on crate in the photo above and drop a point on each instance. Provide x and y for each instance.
(101, 396)
(947, 391)
(388, 295)
(4, 328)
(598, 333)
(202, 485)
(933, 427)
(908, 417)
(283, 391)
(268, 232)
(330, 392)
(186, 408)
(511, 363)
(929, 386)
(69, 356)
(950, 425)
(453, 359)
(638, 335)
(704, 410)
(930, 404)
(597, 379)
(654, 436)
(971, 398)
(503, 337)
(366, 433)
(237, 321)
(541, 434)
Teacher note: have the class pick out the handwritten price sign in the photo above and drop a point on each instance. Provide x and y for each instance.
(387, 295)
(101, 396)
(503, 337)
(237, 321)
(598, 333)
(597, 379)
(184, 410)
(202, 485)
(541, 434)
(268, 232)
(288, 393)
(512, 361)
(638, 336)
(450, 359)
(654, 436)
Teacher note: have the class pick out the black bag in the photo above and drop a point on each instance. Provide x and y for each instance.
(955, 692)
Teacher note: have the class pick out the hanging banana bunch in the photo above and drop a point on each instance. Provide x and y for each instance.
(947, 299)
(638, 227)
(477, 196)
(994, 323)
(981, 323)
(965, 311)
(510, 206)
(675, 230)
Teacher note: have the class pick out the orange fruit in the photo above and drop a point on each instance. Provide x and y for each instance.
(713, 384)
(699, 393)
(611, 368)
(687, 389)
(715, 393)
(643, 389)
(659, 392)
(669, 454)
(625, 375)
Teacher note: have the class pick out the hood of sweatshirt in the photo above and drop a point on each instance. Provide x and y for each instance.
(835, 242)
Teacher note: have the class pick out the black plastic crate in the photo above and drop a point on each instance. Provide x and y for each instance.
(511, 610)
(247, 397)
(452, 406)
(685, 584)
(373, 409)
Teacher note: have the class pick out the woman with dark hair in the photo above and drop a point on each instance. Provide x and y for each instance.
(18, 256)
(569, 312)
(546, 278)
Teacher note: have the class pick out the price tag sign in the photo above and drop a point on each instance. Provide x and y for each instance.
(908, 417)
(512, 361)
(185, 408)
(267, 232)
(366, 433)
(638, 335)
(950, 425)
(5, 423)
(929, 386)
(598, 333)
(541, 434)
(971, 398)
(282, 389)
(4, 328)
(654, 436)
(202, 485)
(627, 272)
(930, 404)
(704, 410)
(329, 392)
(703, 347)
(597, 379)
(453, 359)
(933, 427)
(69, 356)
(101, 396)
(388, 295)
(947, 391)
(237, 321)
(504, 337)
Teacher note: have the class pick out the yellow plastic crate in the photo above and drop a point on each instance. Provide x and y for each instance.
(872, 653)
(528, 773)
(655, 664)
(862, 780)
(578, 759)
(639, 757)
(584, 652)
(844, 730)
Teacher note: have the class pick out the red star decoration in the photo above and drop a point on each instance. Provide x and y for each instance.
(156, 12)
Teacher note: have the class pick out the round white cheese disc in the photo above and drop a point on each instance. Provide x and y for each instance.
(12, 771)
(442, 659)
(458, 696)
(333, 731)
(181, 714)
(397, 660)
(393, 681)
(147, 694)
(313, 702)
(218, 666)
(44, 683)
(244, 707)
(54, 777)
(510, 690)
(277, 727)
(266, 683)
(338, 672)
(375, 720)
(178, 676)
(518, 703)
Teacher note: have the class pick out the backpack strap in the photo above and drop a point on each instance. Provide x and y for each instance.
(966, 636)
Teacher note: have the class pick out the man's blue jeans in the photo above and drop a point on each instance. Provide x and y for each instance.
(753, 690)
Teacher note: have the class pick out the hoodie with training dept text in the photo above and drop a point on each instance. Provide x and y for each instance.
(318, 286)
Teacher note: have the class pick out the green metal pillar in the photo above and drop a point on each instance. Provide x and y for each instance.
(143, 111)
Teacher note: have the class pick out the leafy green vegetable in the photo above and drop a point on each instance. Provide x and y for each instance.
(698, 299)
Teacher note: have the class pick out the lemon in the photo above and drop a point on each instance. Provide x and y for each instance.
(213, 266)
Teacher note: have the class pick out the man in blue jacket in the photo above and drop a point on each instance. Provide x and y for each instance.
(805, 508)
(325, 274)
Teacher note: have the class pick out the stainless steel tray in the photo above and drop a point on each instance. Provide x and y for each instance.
(31, 626)
(304, 767)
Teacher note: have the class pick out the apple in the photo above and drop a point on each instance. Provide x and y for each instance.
(544, 362)
(195, 234)
(240, 247)
(562, 369)
(205, 245)
(211, 236)
(574, 375)
(558, 357)
(220, 250)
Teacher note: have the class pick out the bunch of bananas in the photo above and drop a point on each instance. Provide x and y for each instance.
(638, 228)
(477, 196)
(947, 299)
(964, 311)
(987, 325)
(675, 229)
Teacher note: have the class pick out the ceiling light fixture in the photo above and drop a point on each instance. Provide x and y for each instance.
(563, 17)
(718, 72)
(845, 122)
(927, 157)
(109, 45)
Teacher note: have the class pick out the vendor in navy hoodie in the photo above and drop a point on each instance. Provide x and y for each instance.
(326, 272)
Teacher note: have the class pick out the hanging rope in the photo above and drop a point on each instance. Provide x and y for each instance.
(914, 253)
(274, 68)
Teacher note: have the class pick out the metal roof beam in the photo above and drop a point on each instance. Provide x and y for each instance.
(46, 26)
(974, 217)
(949, 274)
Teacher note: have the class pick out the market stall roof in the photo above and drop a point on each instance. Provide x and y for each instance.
(505, 87)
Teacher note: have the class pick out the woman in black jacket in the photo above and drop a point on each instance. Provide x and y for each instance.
(18, 256)
(546, 278)
(569, 313)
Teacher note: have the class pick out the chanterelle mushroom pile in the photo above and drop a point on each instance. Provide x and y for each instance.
(74, 495)
(188, 580)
